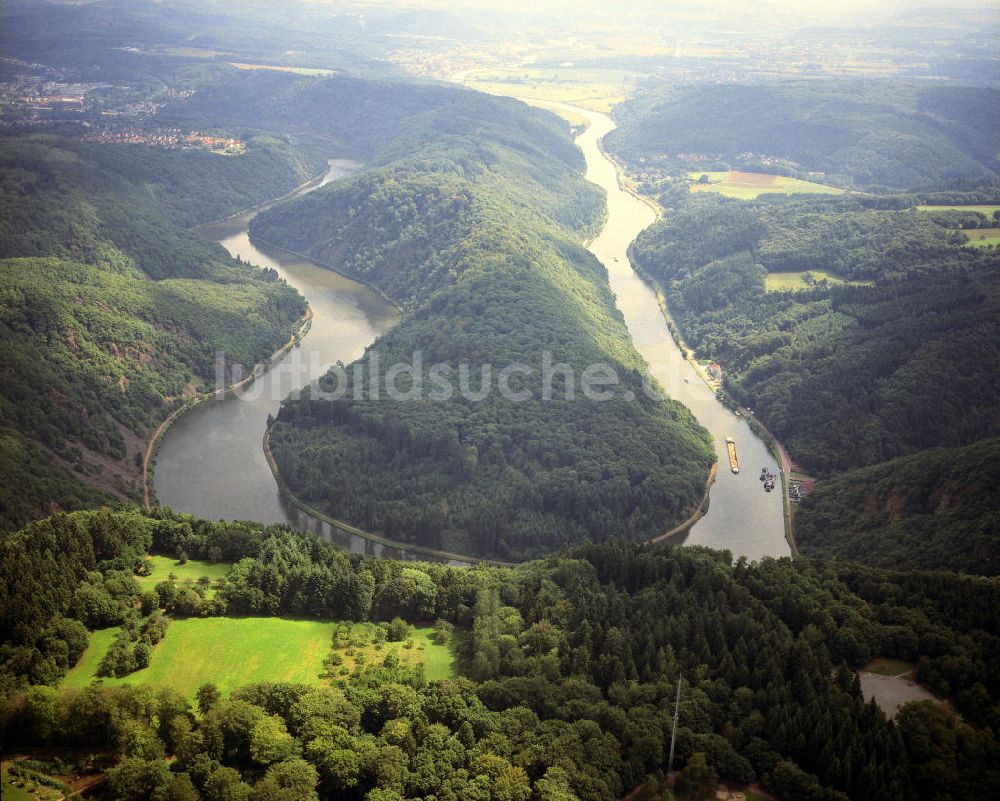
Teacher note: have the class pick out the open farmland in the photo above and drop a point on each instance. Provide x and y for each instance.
(983, 209)
(598, 90)
(748, 185)
(982, 237)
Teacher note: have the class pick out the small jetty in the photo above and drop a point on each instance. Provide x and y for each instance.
(734, 463)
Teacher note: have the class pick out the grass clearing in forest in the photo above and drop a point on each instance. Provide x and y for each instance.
(749, 185)
(81, 674)
(365, 647)
(233, 651)
(229, 652)
(160, 568)
(784, 282)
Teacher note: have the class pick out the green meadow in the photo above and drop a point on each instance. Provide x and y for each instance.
(160, 567)
(365, 648)
(230, 652)
(187, 574)
(84, 671)
(749, 185)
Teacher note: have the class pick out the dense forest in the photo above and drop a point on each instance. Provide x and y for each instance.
(887, 353)
(867, 134)
(933, 508)
(472, 221)
(111, 310)
(569, 666)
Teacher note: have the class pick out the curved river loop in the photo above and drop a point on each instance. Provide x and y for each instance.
(211, 462)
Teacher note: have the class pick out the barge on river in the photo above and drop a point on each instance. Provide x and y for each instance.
(734, 463)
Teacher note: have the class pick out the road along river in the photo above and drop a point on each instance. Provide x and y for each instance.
(741, 516)
(211, 463)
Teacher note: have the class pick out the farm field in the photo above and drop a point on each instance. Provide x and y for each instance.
(782, 282)
(280, 68)
(597, 90)
(986, 209)
(749, 185)
(231, 652)
(982, 237)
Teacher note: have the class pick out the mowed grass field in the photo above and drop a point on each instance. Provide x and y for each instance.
(233, 651)
(81, 674)
(228, 652)
(749, 185)
(783, 282)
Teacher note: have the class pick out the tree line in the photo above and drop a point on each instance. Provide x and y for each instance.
(569, 668)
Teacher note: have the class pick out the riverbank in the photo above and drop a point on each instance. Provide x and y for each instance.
(773, 444)
(690, 356)
(347, 528)
(260, 241)
(148, 459)
(787, 466)
(149, 455)
(699, 511)
(450, 556)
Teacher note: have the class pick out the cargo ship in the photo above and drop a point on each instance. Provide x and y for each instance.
(734, 463)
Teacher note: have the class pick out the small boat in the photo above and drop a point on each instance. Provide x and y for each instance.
(763, 474)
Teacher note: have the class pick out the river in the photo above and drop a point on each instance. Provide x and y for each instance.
(211, 463)
(741, 516)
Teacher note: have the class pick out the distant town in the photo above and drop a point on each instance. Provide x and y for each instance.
(39, 96)
(167, 139)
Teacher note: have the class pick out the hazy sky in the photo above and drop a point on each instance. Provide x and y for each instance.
(805, 8)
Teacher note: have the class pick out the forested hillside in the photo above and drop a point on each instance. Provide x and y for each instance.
(864, 134)
(381, 120)
(472, 222)
(111, 310)
(568, 672)
(933, 508)
(888, 352)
